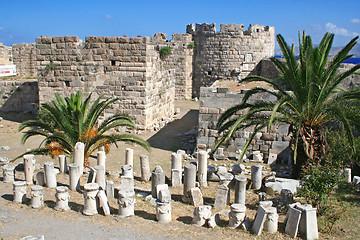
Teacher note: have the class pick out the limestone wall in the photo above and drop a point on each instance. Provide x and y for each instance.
(24, 57)
(180, 60)
(19, 96)
(127, 68)
(5, 55)
(230, 54)
(216, 100)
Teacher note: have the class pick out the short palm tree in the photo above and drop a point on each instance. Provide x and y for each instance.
(65, 121)
(308, 96)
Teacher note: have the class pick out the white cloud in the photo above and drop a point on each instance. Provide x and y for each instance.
(108, 16)
(355, 20)
(330, 27)
(2, 28)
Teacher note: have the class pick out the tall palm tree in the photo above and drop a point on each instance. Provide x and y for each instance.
(308, 96)
(65, 121)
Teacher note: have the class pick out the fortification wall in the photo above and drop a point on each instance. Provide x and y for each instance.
(127, 68)
(216, 100)
(24, 57)
(230, 54)
(180, 60)
(5, 54)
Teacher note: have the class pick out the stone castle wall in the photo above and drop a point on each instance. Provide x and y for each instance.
(230, 54)
(127, 68)
(5, 56)
(24, 57)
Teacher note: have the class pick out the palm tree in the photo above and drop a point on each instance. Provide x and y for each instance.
(65, 121)
(308, 97)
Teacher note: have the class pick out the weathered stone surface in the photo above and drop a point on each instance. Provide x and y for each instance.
(196, 197)
(292, 223)
(282, 183)
(259, 221)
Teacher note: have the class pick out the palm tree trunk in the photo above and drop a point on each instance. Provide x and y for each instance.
(311, 148)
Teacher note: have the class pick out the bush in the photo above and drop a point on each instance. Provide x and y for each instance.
(165, 51)
(318, 183)
(191, 45)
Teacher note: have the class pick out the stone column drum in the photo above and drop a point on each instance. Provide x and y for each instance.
(62, 198)
(202, 168)
(157, 177)
(347, 174)
(19, 190)
(189, 179)
(74, 176)
(271, 222)
(176, 172)
(145, 168)
(127, 171)
(37, 196)
(100, 176)
(129, 156)
(50, 175)
(62, 164)
(163, 211)
(240, 189)
(29, 167)
(126, 203)
(201, 215)
(101, 158)
(90, 192)
(256, 176)
(79, 154)
(236, 215)
(8, 173)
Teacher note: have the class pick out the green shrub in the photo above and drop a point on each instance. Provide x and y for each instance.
(318, 183)
(191, 45)
(165, 51)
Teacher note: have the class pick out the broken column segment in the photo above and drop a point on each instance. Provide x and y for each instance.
(163, 206)
(62, 198)
(100, 176)
(79, 154)
(19, 190)
(29, 167)
(101, 158)
(74, 177)
(189, 180)
(157, 177)
(129, 156)
(256, 176)
(145, 168)
(62, 164)
(201, 215)
(8, 173)
(126, 203)
(237, 215)
(223, 193)
(202, 168)
(240, 189)
(37, 196)
(176, 169)
(90, 192)
(50, 175)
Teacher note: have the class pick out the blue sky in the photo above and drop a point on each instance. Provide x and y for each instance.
(24, 20)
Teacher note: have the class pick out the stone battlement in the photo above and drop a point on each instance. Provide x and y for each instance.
(237, 29)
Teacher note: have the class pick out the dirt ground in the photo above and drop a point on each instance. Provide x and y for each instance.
(19, 220)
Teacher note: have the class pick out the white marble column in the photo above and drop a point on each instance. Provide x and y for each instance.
(90, 192)
(157, 177)
(62, 164)
(50, 175)
(189, 179)
(37, 196)
(240, 189)
(129, 156)
(100, 176)
(79, 154)
(101, 158)
(19, 190)
(74, 176)
(237, 215)
(202, 168)
(8, 173)
(126, 203)
(29, 167)
(256, 176)
(145, 168)
(62, 198)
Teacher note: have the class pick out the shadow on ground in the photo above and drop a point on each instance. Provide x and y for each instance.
(168, 137)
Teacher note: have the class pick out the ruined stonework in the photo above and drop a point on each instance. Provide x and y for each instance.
(180, 60)
(5, 55)
(216, 100)
(230, 54)
(19, 96)
(24, 57)
(127, 68)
